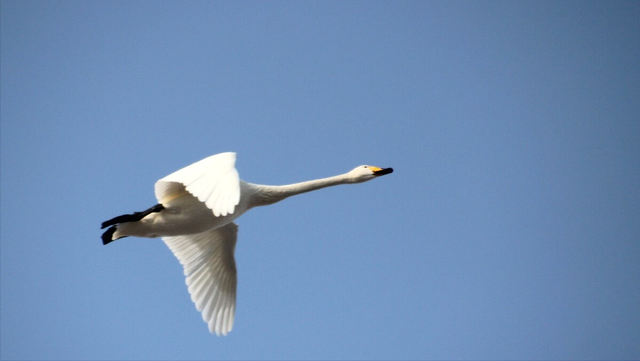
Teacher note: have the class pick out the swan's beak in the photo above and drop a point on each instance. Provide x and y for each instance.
(381, 171)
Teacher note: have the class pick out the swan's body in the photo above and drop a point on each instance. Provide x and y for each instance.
(198, 205)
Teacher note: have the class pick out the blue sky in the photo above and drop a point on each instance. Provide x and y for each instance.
(510, 228)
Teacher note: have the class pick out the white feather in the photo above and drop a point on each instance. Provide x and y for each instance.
(211, 273)
(213, 180)
(199, 204)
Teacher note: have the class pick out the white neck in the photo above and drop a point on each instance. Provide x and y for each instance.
(272, 194)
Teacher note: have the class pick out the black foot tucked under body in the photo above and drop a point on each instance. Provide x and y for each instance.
(107, 236)
(132, 217)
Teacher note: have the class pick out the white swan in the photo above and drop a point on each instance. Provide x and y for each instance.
(195, 217)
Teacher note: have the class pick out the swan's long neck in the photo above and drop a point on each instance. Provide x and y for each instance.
(272, 194)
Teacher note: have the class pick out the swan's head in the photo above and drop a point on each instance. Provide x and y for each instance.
(364, 173)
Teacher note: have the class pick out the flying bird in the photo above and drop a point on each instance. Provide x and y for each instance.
(195, 218)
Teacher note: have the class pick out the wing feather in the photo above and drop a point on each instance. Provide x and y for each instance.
(211, 275)
(213, 180)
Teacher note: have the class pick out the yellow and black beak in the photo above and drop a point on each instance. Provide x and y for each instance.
(380, 171)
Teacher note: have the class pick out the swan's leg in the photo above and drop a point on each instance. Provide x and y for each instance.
(107, 236)
(132, 217)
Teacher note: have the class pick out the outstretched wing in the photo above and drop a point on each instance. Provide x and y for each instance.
(210, 268)
(213, 180)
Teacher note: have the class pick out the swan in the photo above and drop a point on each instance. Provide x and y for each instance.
(195, 218)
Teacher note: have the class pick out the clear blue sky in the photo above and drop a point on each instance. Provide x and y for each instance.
(509, 230)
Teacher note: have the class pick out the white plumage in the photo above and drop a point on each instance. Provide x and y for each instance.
(210, 269)
(213, 180)
(194, 217)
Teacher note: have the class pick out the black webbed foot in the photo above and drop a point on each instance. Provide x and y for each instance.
(132, 217)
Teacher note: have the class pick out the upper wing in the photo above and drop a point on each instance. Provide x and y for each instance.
(210, 268)
(213, 180)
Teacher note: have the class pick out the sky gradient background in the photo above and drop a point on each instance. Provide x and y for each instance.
(510, 228)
